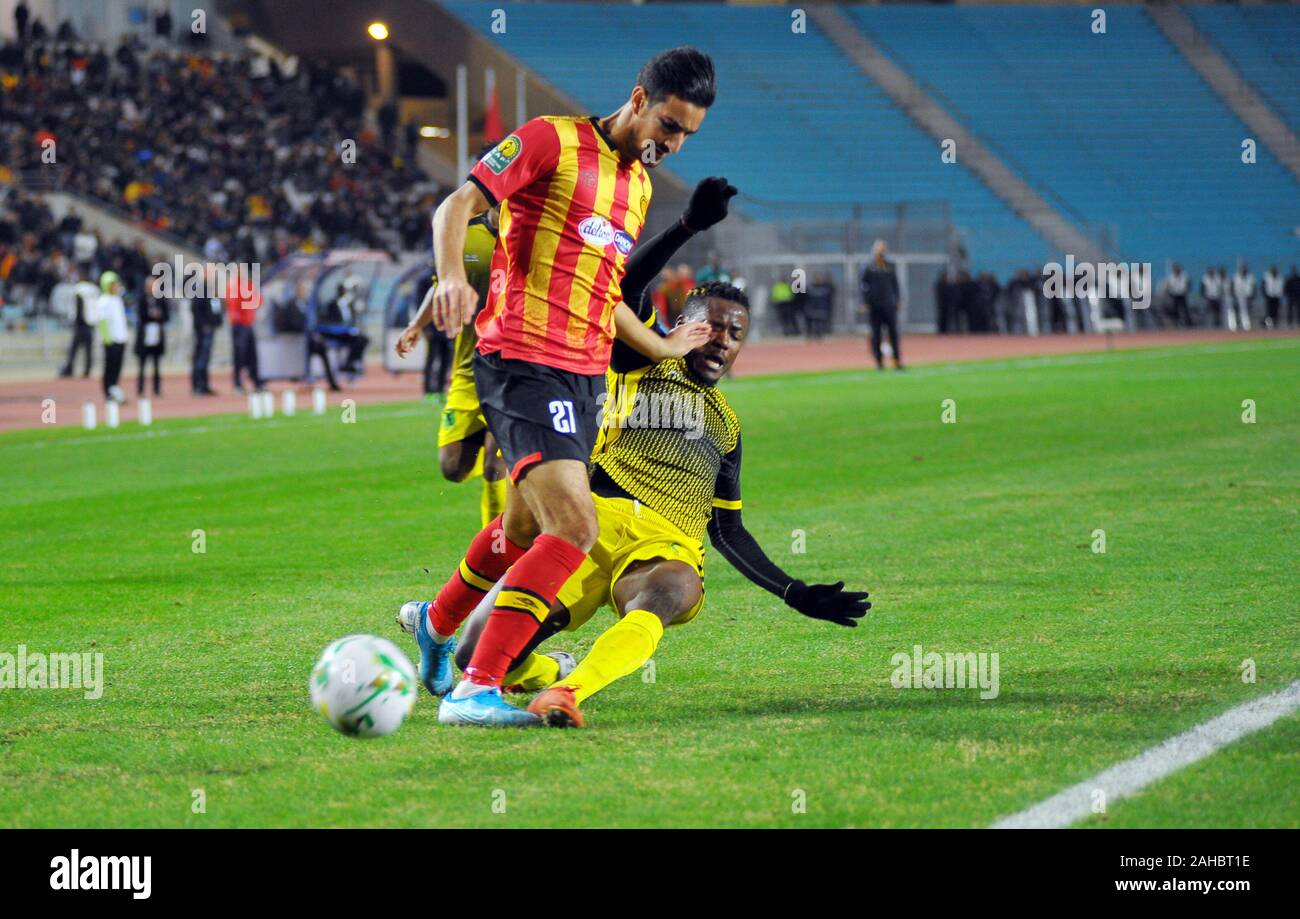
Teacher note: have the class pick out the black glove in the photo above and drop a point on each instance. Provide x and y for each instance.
(708, 204)
(827, 601)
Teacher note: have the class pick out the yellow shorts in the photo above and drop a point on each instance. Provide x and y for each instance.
(629, 532)
(461, 416)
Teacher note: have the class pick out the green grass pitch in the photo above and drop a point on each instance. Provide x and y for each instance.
(974, 536)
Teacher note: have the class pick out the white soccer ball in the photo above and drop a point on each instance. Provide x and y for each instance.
(364, 686)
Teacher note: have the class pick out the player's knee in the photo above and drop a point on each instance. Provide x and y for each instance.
(451, 465)
(670, 594)
(579, 529)
(494, 468)
(573, 519)
(519, 524)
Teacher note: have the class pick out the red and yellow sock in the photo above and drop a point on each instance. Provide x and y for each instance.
(524, 602)
(490, 553)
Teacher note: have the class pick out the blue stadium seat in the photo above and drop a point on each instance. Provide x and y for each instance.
(1263, 42)
(1116, 130)
(1118, 126)
(795, 121)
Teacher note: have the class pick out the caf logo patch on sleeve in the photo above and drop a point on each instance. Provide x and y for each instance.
(503, 154)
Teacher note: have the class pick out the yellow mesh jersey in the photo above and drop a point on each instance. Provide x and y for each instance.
(664, 439)
(480, 243)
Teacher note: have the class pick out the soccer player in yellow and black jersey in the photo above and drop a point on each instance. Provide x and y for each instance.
(466, 447)
(665, 471)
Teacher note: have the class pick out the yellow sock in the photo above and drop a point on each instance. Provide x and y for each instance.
(493, 502)
(536, 672)
(619, 651)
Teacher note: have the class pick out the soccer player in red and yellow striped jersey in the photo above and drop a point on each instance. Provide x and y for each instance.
(573, 195)
(565, 240)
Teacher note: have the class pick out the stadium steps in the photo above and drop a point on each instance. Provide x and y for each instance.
(1228, 82)
(1117, 129)
(1263, 44)
(908, 95)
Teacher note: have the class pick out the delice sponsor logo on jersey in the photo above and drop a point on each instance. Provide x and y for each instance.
(623, 242)
(503, 154)
(596, 230)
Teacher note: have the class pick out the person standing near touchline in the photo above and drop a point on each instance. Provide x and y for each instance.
(110, 312)
(880, 297)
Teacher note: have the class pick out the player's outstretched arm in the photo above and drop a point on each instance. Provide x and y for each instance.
(454, 300)
(737, 545)
(708, 204)
(707, 207)
(829, 602)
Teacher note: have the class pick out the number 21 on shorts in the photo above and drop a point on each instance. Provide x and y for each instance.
(562, 416)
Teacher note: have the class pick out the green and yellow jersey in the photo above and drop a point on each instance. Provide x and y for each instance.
(480, 243)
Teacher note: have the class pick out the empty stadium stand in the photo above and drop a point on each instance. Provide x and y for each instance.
(1073, 110)
(795, 121)
(1068, 109)
(1263, 43)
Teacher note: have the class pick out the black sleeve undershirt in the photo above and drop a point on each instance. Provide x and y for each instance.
(643, 266)
(491, 198)
(735, 543)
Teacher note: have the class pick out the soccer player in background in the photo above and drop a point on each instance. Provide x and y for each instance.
(242, 308)
(1176, 285)
(1292, 290)
(573, 194)
(666, 470)
(466, 447)
(1272, 286)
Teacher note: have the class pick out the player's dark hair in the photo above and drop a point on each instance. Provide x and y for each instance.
(720, 289)
(682, 72)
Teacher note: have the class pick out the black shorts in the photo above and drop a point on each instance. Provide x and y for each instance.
(537, 413)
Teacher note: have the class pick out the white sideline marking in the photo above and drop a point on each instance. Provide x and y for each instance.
(1132, 775)
(760, 381)
(375, 413)
(1072, 359)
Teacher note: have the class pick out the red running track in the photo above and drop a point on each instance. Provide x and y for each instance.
(21, 402)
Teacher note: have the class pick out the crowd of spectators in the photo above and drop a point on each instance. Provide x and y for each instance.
(250, 159)
(237, 155)
(39, 251)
